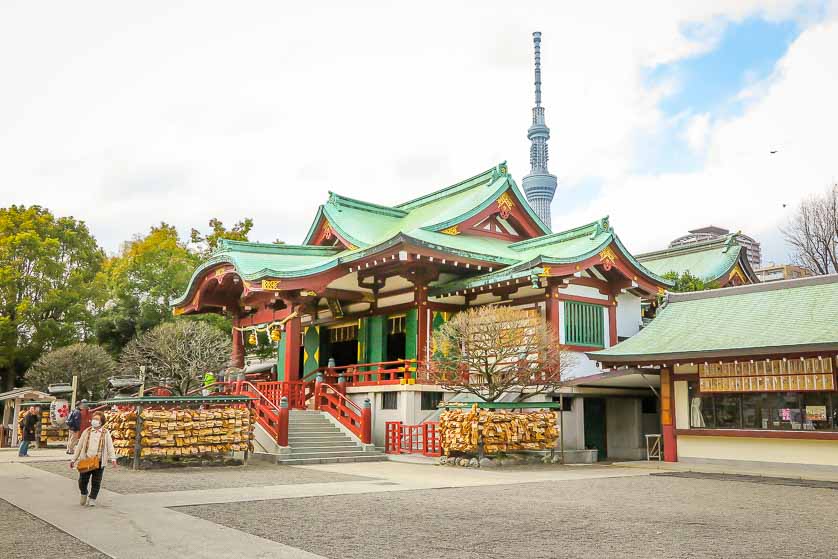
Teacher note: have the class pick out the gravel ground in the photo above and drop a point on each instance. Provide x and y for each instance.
(23, 536)
(644, 516)
(256, 474)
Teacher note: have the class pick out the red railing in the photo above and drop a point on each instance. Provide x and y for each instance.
(412, 439)
(273, 417)
(297, 392)
(401, 371)
(352, 416)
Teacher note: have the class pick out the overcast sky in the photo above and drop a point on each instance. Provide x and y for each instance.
(663, 114)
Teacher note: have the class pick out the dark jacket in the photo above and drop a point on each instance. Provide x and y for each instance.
(74, 420)
(28, 426)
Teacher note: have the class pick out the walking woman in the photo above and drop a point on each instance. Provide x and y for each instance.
(93, 451)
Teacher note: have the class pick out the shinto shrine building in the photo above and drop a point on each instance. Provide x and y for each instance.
(369, 283)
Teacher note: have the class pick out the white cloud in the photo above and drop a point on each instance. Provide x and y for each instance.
(126, 115)
(696, 131)
(743, 185)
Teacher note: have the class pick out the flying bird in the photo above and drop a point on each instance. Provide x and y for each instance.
(773, 152)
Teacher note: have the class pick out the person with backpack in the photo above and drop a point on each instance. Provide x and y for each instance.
(94, 451)
(74, 425)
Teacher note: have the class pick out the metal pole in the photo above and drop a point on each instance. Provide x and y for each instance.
(138, 427)
(561, 425)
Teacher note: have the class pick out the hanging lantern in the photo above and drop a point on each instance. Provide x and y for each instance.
(275, 335)
(252, 339)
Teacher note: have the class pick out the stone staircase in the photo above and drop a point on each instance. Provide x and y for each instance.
(314, 438)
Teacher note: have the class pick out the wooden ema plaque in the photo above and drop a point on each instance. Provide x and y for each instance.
(777, 375)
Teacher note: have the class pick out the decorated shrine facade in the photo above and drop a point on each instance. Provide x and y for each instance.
(746, 373)
(722, 261)
(369, 283)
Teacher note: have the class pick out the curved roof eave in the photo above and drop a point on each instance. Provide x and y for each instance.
(338, 259)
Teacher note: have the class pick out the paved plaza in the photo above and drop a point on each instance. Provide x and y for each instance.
(388, 509)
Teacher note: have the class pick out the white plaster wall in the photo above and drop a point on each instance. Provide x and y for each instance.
(628, 315)
(582, 366)
(583, 291)
(781, 451)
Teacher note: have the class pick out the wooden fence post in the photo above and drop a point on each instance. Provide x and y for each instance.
(366, 422)
(282, 434)
(138, 429)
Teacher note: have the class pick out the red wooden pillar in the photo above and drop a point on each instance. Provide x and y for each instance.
(282, 423)
(553, 306)
(421, 297)
(670, 443)
(237, 353)
(612, 321)
(366, 422)
(292, 349)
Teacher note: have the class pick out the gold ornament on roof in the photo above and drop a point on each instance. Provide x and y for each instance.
(737, 273)
(545, 271)
(252, 338)
(270, 285)
(607, 257)
(505, 204)
(327, 230)
(453, 230)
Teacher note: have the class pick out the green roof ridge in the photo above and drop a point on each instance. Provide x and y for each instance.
(339, 200)
(467, 184)
(592, 228)
(275, 248)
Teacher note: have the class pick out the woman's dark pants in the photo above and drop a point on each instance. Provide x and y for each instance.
(96, 475)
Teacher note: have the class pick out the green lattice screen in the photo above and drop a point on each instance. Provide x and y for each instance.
(583, 324)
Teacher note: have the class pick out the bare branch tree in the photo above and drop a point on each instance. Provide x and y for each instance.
(179, 352)
(813, 232)
(491, 351)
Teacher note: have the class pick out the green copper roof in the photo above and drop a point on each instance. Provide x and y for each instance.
(758, 319)
(371, 228)
(707, 260)
(365, 224)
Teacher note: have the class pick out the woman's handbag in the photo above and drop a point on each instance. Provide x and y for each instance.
(92, 463)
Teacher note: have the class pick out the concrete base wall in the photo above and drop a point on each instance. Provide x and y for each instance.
(624, 429)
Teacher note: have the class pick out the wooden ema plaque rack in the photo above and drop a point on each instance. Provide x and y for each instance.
(770, 375)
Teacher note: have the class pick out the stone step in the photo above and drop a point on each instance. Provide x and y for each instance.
(311, 436)
(322, 443)
(312, 428)
(326, 450)
(303, 453)
(343, 459)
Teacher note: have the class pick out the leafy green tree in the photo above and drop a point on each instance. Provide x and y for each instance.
(149, 273)
(688, 282)
(178, 353)
(92, 364)
(208, 243)
(48, 267)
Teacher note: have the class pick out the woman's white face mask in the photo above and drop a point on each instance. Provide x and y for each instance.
(96, 423)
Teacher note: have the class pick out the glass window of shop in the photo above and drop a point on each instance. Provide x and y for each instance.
(776, 411)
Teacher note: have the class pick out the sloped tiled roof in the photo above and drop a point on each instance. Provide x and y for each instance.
(371, 227)
(760, 319)
(707, 260)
